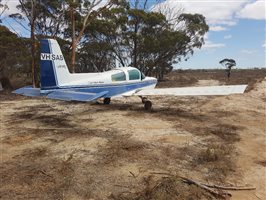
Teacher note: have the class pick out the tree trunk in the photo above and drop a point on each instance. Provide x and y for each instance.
(73, 56)
(135, 45)
(33, 48)
(74, 42)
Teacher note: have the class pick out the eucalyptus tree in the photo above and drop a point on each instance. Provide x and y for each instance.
(103, 44)
(140, 38)
(82, 13)
(42, 18)
(228, 63)
(157, 45)
(14, 54)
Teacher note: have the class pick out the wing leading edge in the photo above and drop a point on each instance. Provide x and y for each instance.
(194, 91)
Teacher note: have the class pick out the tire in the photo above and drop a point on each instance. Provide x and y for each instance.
(148, 105)
(106, 101)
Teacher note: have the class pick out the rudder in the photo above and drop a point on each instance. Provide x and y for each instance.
(54, 71)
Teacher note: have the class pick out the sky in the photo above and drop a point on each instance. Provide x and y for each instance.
(237, 31)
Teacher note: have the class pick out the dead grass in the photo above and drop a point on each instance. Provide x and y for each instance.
(226, 132)
(35, 174)
(166, 188)
(262, 163)
(58, 162)
(217, 159)
(121, 148)
(239, 76)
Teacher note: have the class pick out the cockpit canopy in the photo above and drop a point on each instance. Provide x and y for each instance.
(127, 74)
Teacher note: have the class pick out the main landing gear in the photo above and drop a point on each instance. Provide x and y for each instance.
(106, 101)
(147, 103)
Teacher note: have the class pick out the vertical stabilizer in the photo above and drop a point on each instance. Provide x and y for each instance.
(54, 71)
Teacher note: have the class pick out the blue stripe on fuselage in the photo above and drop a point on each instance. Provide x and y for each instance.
(113, 90)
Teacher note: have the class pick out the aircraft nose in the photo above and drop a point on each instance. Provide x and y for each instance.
(154, 79)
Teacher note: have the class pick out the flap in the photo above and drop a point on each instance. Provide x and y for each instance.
(70, 95)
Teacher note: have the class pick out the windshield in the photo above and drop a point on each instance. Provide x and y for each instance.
(142, 76)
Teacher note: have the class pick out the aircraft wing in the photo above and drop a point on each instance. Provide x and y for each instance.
(67, 95)
(28, 91)
(71, 95)
(194, 91)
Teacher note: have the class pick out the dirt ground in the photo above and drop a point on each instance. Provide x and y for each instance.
(69, 150)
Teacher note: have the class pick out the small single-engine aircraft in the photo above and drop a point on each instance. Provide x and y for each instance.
(58, 83)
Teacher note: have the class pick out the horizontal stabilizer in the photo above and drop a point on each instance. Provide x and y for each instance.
(194, 91)
(70, 95)
(28, 91)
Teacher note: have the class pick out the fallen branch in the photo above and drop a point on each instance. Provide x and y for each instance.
(218, 193)
(230, 187)
(210, 188)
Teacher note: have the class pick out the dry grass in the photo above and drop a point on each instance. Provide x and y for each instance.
(262, 163)
(189, 77)
(217, 159)
(165, 188)
(51, 156)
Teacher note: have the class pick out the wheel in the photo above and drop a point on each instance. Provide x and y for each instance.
(144, 99)
(106, 101)
(147, 105)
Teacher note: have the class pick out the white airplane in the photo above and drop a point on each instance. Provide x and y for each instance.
(58, 83)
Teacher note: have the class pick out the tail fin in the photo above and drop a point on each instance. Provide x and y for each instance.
(54, 71)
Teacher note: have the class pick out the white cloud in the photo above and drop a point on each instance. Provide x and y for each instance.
(264, 45)
(218, 12)
(217, 28)
(246, 51)
(11, 7)
(211, 45)
(255, 10)
(227, 37)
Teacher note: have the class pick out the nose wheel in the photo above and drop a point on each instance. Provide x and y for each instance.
(147, 103)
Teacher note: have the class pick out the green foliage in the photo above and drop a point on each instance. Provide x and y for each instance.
(14, 53)
(48, 16)
(228, 63)
(145, 40)
(118, 34)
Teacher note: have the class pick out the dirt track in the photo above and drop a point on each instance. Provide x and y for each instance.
(60, 150)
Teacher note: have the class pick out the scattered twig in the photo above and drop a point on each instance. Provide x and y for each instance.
(44, 173)
(257, 196)
(162, 173)
(123, 186)
(132, 174)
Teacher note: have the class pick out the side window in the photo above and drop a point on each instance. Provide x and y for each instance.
(121, 76)
(134, 74)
